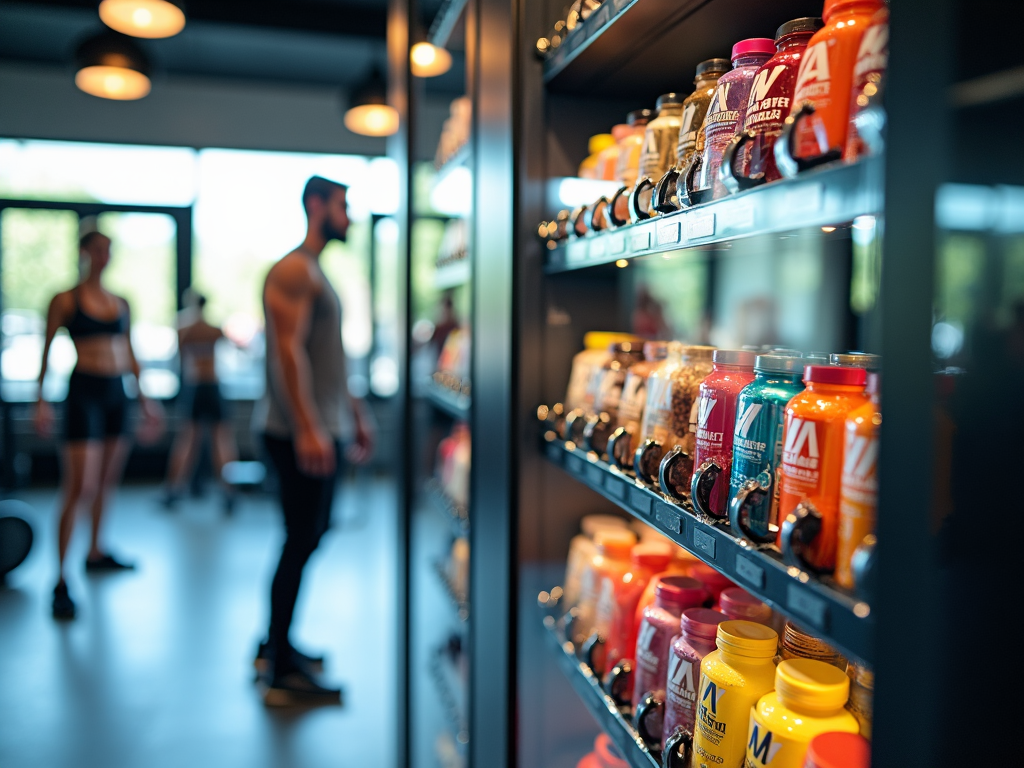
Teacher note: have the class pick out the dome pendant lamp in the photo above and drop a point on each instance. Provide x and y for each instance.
(429, 60)
(144, 18)
(112, 66)
(369, 113)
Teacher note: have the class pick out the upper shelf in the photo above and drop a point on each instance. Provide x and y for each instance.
(816, 603)
(641, 48)
(823, 196)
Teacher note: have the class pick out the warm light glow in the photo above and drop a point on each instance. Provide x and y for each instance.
(429, 61)
(828, 229)
(143, 18)
(621, 263)
(372, 120)
(116, 83)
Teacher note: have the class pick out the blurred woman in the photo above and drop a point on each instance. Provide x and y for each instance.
(95, 437)
(202, 405)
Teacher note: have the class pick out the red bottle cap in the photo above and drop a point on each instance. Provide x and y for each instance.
(737, 603)
(712, 579)
(607, 754)
(679, 591)
(753, 46)
(838, 750)
(834, 374)
(701, 622)
(654, 556)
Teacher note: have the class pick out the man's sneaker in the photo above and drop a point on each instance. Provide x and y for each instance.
(106, 563)
(63, 605)
(309, 663)
(298, 688)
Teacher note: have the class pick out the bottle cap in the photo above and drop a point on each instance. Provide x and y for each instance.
(811, 686)
(615, 544)
(720, 66)
(737, 603)
(817, 358)
(601, 339)
(838, 750)
(600, 141)
(742, 357)
(776, 363)
(652, 555)
(746, 638)
(701, 622)
(656, 350)
(640, 117)
(621, 131)
(810, 24)
(591, 524)
(833, 374)
(710, 578)
(831, 6)
(857, 360)
(699, 352)
(753, 46)
(783, 351)
(669, 98)
(680, 591)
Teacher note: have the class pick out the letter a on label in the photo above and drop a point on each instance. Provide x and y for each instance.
(679, 670)
(874, 42)
(801, 433)
(814, 66)
(860, 456)
(646, 635)
(713, 692)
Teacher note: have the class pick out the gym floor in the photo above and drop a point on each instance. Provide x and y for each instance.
(156, 671)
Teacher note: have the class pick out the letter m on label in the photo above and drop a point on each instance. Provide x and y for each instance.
(761, 751)
(801, 434)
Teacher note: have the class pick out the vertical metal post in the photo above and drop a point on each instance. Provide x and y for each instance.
(183, 245)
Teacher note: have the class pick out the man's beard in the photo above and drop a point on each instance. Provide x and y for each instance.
(330, 233)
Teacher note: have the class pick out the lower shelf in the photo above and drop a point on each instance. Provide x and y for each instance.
(612, 720)
(458, 600)
(815, 602)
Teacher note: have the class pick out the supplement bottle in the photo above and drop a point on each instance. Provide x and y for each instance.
(595, 146)
(771, 94)
(812, 452)
(660, 624)
(838, 750)
(698, 628)
(632, 402)
(581, 553)
(695, 107)
(628, 166)
(757, 444)
(716, 424)
(616, 609)
(862, 695)
(728, 108)
(662, 137)
(799, 644)
(608, 159)
(738, 604)
(868, 73)
(681, 565)
(732, 680)
(593, 356)
(808, 700)
(858, 493)
(611, 561)
(713, 581)
(607, 385)
(826, 75)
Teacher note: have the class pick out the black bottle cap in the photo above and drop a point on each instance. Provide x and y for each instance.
(807, 24)
(640, 117)
(669, 98)
(714, 65)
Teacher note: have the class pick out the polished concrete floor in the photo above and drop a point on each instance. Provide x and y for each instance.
(156, 671)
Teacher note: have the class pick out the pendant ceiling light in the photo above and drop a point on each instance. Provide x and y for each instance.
(112, 66)
(143, 18)
(369, 113)
(429, 60)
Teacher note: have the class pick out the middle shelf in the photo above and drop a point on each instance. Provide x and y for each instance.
(836, 615)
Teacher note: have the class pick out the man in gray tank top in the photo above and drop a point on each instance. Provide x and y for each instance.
(305, 416)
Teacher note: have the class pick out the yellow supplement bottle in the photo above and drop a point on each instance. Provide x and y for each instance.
(808, 700)
(732, 679)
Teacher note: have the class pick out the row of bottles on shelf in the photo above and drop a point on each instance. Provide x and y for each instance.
(774, 109)
(672, 636)
(783, 446)
(455, 130)
(452, 471)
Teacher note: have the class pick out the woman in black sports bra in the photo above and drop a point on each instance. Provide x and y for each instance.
(96, 442)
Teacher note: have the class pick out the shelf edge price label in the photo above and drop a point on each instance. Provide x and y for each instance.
(802, 200)
(640, 501)
(597, 248)
(616, 244)
(667, 517)
(705, 542)
(641, 241)
(807, 605)
(668, 234)
(738, 217)
(749, 572)
(700, 225)
(576, 252)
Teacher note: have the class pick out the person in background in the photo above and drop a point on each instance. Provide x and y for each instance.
(96, 442)
(201, 404)
(304, 415)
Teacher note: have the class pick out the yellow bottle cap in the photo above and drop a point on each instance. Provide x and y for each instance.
(604, 339)
(811, 686)
(747, 638)
(615, 544)
(600, 141)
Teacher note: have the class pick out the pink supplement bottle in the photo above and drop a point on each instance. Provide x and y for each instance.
(698, 629)
(673, 595)
(740, 605)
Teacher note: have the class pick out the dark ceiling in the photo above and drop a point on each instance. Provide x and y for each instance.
(315, 42)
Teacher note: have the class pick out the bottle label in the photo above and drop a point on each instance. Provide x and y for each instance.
(634, 395)
(767, 103)
(801, 456)
(763, 746)
(873, 54)
(681, 693)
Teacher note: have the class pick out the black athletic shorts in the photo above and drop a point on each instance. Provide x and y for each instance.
(96, 407)
(202, 403)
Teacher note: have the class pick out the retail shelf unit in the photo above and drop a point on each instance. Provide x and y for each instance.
(882, 255)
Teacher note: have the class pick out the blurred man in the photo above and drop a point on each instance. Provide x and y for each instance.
(304, 416)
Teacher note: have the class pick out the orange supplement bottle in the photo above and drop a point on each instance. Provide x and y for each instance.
(826, 75)
(858, 494)
(812, 451)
